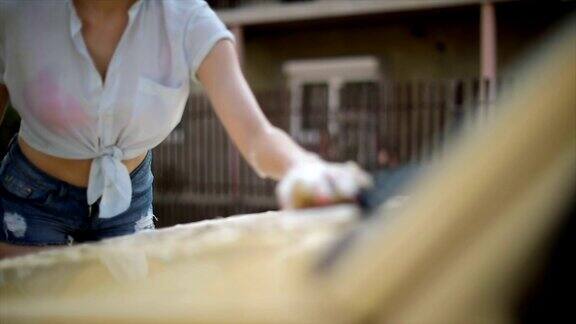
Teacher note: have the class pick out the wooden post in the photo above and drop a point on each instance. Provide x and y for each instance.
(488, 56)
(488, 41)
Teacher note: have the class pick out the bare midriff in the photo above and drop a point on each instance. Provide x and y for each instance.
(72, 171)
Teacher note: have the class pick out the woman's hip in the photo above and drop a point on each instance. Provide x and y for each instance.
(38, 209)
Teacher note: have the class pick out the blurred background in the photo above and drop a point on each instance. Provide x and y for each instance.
(380, 82)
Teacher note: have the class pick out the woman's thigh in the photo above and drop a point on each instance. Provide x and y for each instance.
(11, 250)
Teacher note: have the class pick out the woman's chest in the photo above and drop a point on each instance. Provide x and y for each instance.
(135, 89)
(101, 40)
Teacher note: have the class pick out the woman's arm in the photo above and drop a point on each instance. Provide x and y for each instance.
(305, 179)
(268, 149)
(3, 101)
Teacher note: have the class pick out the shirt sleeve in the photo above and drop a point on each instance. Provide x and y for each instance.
(204, 30)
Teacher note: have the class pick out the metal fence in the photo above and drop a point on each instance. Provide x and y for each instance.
(199, 174)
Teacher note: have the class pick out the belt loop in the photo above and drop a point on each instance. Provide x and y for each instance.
(62, 191)
(93, 209)
(10, 149)
(14, 138)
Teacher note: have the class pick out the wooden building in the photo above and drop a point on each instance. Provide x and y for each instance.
(381, 82)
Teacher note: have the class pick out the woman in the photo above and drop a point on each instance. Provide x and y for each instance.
(98, 84)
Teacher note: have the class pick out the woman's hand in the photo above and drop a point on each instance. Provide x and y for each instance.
(319, 183)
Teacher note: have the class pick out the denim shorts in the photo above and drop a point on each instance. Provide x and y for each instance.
(37, 209)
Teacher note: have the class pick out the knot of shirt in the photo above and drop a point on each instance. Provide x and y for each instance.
(110, 182)
(114, 152)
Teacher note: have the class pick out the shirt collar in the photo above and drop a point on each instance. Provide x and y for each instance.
(134, 9)
(76, 23)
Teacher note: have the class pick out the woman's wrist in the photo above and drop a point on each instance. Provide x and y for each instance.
(273, 154)
(305, 157)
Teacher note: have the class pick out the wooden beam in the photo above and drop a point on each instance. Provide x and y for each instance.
(276, 12)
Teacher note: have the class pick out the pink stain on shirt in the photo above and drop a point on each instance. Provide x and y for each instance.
(53, 106)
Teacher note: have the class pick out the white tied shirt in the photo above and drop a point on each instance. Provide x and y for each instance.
(69, 112)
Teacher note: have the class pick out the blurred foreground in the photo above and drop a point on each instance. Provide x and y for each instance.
(461, 251)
